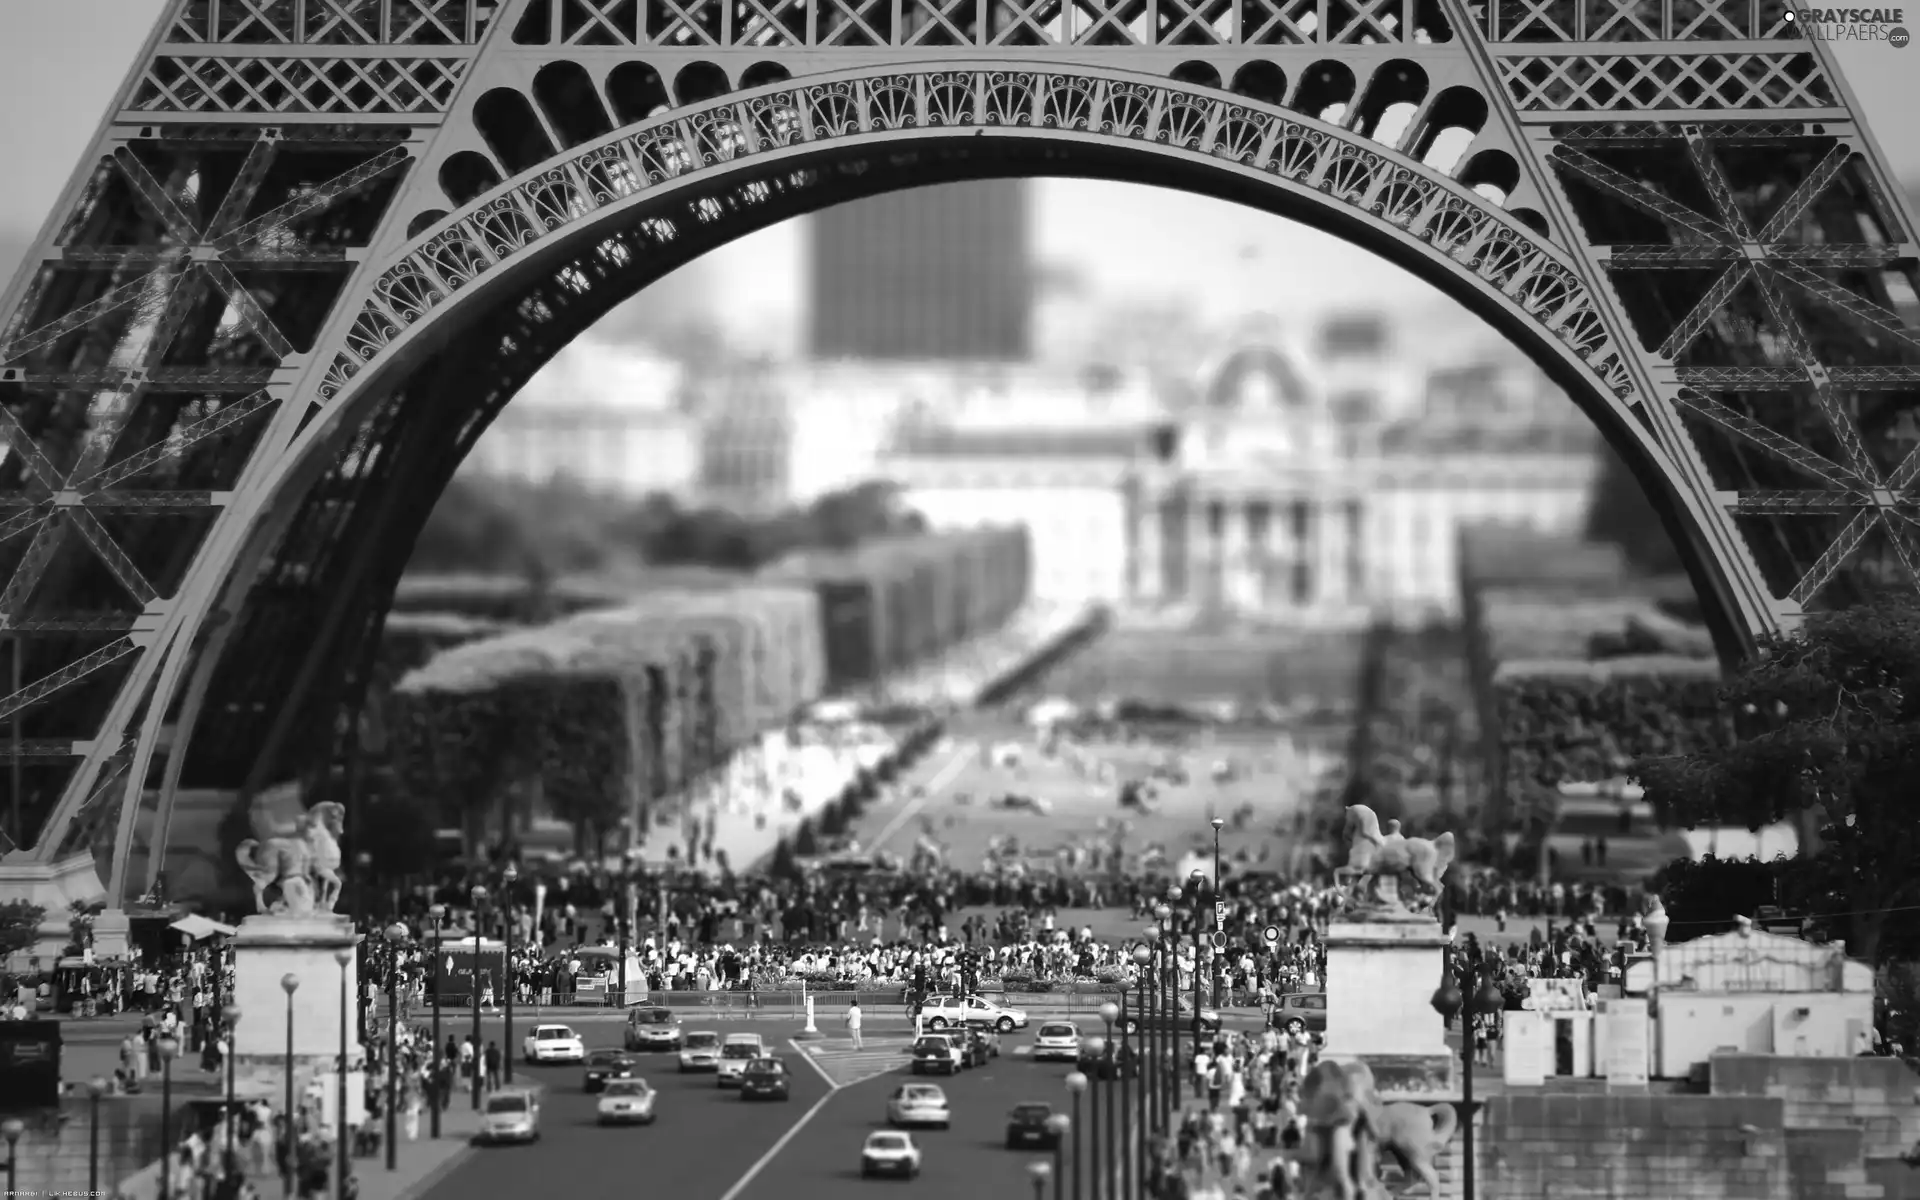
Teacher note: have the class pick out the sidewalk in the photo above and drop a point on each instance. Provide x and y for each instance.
(419, 1165)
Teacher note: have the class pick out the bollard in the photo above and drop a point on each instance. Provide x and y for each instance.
(812, 1030)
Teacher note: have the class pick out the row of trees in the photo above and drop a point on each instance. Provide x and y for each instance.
(494, 526)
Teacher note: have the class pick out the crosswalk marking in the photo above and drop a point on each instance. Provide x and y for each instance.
(844, 1065)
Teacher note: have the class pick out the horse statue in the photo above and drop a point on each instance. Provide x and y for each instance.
(302, 869)
(1349, 1127)
(326, 824)
(1404, 873)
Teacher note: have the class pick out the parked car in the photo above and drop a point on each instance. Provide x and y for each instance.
(652, 1029)
(1300, 1010)
(553, 1043)
(936, 1054)
(942, 1011)
(766, 1079)
(627, 1102)
(889, 1153)
(1027, 1127)
(605, 1066)
(510, 1116)
(918, 1104)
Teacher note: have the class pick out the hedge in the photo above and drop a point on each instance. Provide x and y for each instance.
(1588, 722)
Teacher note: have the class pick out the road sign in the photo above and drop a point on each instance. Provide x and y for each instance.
(1272, 933)
(1220, 911)
(1219, 941)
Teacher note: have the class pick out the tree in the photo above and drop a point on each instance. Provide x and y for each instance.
(19, 926)
(400, 836)
(1829, 720)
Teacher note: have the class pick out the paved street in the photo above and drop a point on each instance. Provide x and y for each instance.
(708, 1142)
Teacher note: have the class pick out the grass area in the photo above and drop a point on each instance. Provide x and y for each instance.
(1085, 813)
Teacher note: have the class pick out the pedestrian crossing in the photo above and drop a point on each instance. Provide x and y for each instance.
(840, 1062)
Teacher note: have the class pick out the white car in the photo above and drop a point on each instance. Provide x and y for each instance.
(918, 1104)
(700, 1051)
(970, 1011)
(889, 1154)
(627, 1102)
(1057, 1040)
(735, 1053)
(510, 1116)
(554, 1043)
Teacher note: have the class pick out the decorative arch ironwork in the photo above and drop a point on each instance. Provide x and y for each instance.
(295, 212)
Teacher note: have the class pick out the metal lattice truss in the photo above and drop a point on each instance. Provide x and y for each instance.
(300, 271)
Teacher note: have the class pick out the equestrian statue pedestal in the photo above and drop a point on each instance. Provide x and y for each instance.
(1385, 956)
(268, 950)
(1380, 980)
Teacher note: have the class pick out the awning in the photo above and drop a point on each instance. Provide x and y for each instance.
(198, 927)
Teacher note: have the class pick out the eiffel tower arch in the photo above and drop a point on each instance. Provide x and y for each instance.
(317, 244)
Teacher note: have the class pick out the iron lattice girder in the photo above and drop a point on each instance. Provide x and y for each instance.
(367, 61)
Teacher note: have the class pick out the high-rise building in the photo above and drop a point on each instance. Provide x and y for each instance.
(940, 273)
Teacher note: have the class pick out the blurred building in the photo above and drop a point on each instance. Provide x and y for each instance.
(1058, 451)
(746, 423)
(607, 418)
(1287, 499)
(940, 273)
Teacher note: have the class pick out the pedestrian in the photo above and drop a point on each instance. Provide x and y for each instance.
(853, 1024)
(493, 1066)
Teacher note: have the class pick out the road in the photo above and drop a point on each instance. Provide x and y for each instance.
(710, 1145)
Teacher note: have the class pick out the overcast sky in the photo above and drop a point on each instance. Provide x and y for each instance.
(61, 61)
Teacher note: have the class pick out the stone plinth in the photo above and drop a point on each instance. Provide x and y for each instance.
(1381, 976)
(266, 949)
(56, 887)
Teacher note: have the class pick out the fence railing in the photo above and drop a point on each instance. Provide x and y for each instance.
(764, 1004)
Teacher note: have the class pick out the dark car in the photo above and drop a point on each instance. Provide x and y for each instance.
(1165, 1022)
(604, 1066)
(1114, 1060)
(1027, 1127)
(973, 1051)
(985, 1044)
(935, 1055)
(766, 1079)
(653, 1029)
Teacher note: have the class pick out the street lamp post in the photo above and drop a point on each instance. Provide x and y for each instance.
(479, 897)
(169, 1048)
(436, 914)
(1200, 889)
(362, 871)
(1473, 995)
(1143, 1086)
(96, 1088)
(1219, 922)
(1076, 1086)
(231, 1015)
(1060, 1126)
(1113, 1075)
(1168, 1037)
(507, 878)
(344, 956)
(290, 983)
(396, 933)
(11, 1129)
(1040, 1170)
(1096, 1052)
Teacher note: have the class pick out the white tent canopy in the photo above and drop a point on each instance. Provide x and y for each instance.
(199, 928)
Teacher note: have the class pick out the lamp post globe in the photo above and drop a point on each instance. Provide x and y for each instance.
(1077, 1080)
(1162, 913)
(478, 892)
(12, 1128)
(97, 1087)
(1217, 824)
(1489, 998)
(1142, 955)
(510, 874)
(1040, 1169)
(1059, 1125)
(396, 932)
(1173, 893)
(343, 956)
(1447, 999)
(1109, 1012)
(289, 983)
(169, 1047)
(1095, 1046)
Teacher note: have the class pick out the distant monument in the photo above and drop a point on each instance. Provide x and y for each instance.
(1385, 957)
(294, 862)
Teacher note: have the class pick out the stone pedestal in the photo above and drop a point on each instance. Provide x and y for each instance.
(1381, 977)
(268, 949)
(56, 887)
